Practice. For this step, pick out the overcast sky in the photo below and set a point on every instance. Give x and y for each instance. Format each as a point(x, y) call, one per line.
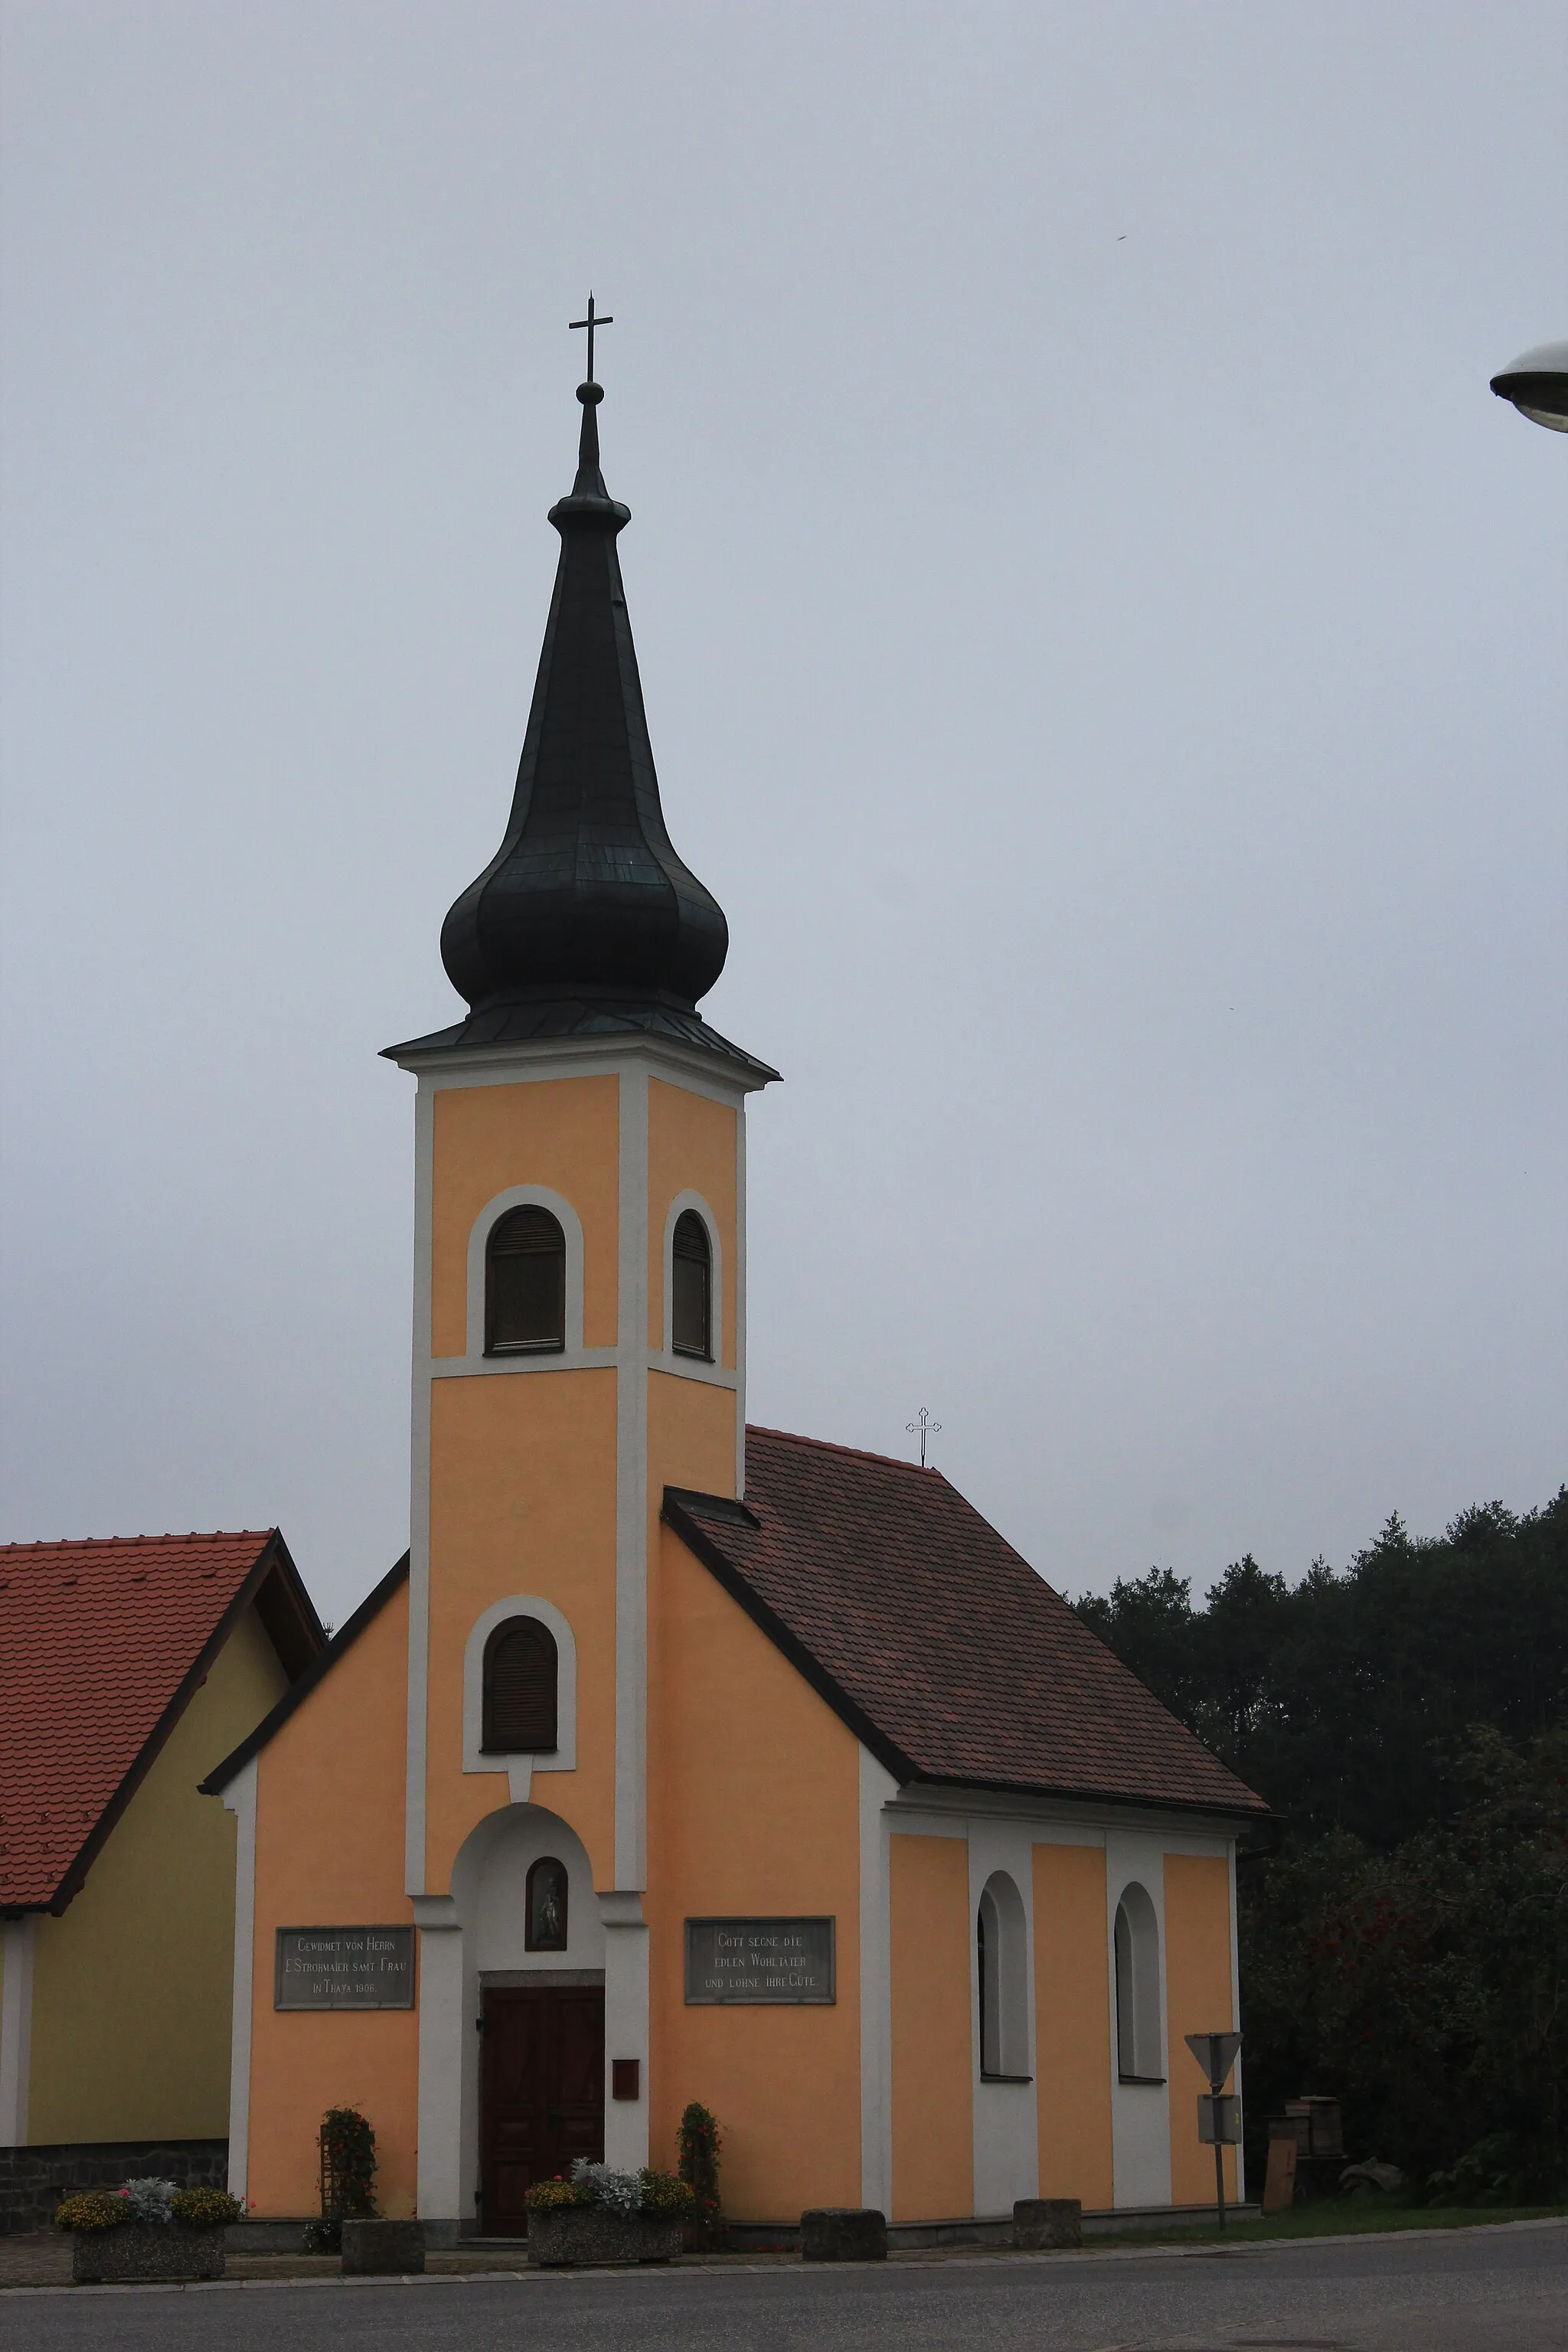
point(1103, 645)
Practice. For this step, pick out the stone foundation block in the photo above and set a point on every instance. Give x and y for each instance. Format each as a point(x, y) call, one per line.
point(1044, 2221)
point(382, 2249)
point(843, 2233)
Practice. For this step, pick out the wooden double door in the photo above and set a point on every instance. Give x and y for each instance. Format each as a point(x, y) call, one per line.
point(541, 2095)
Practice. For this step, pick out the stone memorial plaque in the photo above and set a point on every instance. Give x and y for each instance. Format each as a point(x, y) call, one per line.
point(759, 1960)
point(344, 1967)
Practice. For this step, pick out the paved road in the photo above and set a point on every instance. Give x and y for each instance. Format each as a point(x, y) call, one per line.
point(1497, 2290)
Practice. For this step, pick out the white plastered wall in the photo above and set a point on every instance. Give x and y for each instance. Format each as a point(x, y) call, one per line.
point(1006, 2132)
point(1140, 2112)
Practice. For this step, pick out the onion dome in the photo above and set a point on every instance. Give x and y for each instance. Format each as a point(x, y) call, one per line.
point(585, 903)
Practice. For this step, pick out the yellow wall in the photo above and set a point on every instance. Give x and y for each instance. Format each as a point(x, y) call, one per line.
point(560, 1133)
point(133, 1985)
point(523, 1499)
point(691, 1148)
point(753, 1809)
point(933, 2133)
point(1198, 1994)
point(1072, 2023)
point(328, 1853)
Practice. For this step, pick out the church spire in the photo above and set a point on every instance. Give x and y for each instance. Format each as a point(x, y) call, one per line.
point(584, 916)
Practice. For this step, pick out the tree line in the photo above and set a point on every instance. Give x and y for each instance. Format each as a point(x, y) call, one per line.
point(1405, 1945)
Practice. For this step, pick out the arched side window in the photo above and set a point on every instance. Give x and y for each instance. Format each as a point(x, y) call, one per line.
point(692, 1288)
point(525, 1284)
point(1139, 2055)
point(544, 1900)
point(519, 1688)
point(1002, 1957)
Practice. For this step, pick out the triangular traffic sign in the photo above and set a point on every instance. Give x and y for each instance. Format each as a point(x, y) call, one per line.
point(1215, 2053)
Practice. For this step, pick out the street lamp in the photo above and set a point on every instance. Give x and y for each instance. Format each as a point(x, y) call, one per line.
point(1537, 384)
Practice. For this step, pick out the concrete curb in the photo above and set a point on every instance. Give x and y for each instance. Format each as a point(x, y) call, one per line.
point(890, 2268)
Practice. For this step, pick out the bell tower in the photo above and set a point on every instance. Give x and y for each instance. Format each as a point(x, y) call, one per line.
point(579, 1328)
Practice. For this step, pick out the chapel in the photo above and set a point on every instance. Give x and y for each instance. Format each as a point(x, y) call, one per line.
point(678, 1759)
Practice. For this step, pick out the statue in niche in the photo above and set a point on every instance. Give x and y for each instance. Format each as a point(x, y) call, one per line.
point(545, 1906)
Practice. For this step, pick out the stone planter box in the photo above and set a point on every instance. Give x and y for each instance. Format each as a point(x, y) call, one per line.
point(576, 2236)
point(382, 2249)
point(843, 2233)
point(1043, 2222)
point(145, 2250)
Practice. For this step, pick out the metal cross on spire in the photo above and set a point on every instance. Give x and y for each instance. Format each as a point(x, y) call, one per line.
point(591, 321)
point(924, 1429)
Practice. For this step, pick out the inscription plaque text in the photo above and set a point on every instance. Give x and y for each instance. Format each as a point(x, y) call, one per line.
point(759, 1960)
point(344, 1967)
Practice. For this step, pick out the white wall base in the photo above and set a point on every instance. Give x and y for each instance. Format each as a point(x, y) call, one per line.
point(16, 2028)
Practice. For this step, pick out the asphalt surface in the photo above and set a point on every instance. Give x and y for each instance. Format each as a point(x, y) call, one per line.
point(1478, 2291)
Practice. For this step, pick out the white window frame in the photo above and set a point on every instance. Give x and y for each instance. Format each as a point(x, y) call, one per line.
point(519, 1765)
point(1004, 2008)
point(1137, 1978)
point(525, 1196)
point(714, 1359)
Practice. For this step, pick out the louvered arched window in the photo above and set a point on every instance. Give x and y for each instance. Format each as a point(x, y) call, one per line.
point(521, 1673)
point(525, 1284)
point(691, 1287)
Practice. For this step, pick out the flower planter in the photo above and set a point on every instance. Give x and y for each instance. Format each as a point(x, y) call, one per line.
point(576, 2236)
point(145, 2250)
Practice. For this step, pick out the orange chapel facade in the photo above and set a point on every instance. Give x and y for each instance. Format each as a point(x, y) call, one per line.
point(678, 1759)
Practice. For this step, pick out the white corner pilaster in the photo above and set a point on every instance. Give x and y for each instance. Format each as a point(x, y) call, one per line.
point(876, 1788)
point(444, 2036)
point(741, 1299)
point(625, 2026)
point(19, 1937)
point(631, 1484)
point(1235, 2020)
point(419, 1487)
point(239, 1799)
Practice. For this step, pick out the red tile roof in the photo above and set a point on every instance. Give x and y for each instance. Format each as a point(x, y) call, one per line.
point(96, 1640)
point(937, 1642)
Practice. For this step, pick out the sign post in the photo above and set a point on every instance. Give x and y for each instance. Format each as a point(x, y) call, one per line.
point(1219, 2117)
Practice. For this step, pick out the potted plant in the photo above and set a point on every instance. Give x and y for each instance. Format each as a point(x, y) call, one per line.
point(347, 2160)
point(699, 2143)
point(600, 2215)
point(148, 2230)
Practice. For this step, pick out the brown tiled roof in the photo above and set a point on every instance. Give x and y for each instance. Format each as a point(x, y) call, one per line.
point(939, 1645)
point(102, 1644)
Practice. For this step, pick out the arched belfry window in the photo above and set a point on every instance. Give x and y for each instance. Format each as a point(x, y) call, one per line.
point(521, 1670)
point(1138, 2052)
point(525, 1284)
point(1002, 1960)
point(691, 1287)
point(545, 1917)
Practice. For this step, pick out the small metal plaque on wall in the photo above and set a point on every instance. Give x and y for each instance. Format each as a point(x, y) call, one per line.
point(343, 1968)
point(758, 1961)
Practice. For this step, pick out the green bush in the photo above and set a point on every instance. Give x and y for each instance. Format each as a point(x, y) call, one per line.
point(322, 2237)
point(91, 2208)
point(348, 2165)
point(700, 2142)
point(205, 2209)
point(670, 2199)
